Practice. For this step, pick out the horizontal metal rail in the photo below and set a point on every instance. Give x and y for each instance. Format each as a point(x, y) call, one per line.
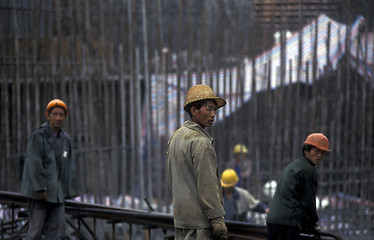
point(150, 220)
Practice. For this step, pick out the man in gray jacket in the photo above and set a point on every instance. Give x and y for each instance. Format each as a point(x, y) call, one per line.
point(49, 175)
point(193, 171)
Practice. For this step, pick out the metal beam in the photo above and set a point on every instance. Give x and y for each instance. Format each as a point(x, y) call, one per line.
point(150, 220)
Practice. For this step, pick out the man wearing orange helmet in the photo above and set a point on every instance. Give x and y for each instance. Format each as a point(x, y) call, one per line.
point(293, 208)
point(193, 171)
point(49, 175)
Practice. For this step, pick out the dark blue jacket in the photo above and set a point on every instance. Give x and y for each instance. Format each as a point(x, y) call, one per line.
point(294, 202)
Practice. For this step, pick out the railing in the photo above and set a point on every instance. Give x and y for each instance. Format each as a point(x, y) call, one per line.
point(114, 215)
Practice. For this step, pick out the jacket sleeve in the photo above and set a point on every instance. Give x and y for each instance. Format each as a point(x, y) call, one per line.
point(308, 201)
point(260, 207)
point(207, 178)
point(251, 201)
point(74, 188)
point(34, 162)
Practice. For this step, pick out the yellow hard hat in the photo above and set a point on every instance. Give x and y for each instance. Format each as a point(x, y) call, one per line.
point(319, 141)
point(202, 92)
point(229, 178)
point(240, 148)
point(56, 103)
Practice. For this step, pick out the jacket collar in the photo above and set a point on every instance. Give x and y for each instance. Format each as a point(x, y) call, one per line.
point(235, 194)
point(46, 129)
point(196, 127)
point(307, 160)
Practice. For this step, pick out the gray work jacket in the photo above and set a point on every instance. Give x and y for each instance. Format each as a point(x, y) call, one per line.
point(44, 171)
point(193, 177)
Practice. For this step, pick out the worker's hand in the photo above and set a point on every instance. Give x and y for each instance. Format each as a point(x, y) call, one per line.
point(313, 229)
point(219, 229)
point(42, 195)
point(317, 230)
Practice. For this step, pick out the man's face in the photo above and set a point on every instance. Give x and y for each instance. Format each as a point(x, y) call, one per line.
point(315, 155)
point(241, 156)
point(228, 190)
point(205, 115)
point(56, 118)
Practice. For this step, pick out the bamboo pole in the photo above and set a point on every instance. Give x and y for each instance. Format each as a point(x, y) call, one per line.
point(101, 93)
point(111, 113)
point(179, 59)
point(78, 96)
point(314, 79)
point(325, 77)
point(138, 126)
point(306, 113)
point(355, 101)
point(269, 122)
point(158, 153)
point(330, 127)
point(147, 111)
point(16, 87)
point(71, 75)
point(190, 47)
point(363, 127)
point(25, 82)
point(4, 110)
point(289, 110)
point(347, 119)
point(131, 98)
point(123, 123)
point(165, 82)
point(298, 106)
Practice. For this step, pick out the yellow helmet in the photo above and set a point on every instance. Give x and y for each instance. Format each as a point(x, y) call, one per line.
point(240, 148)
point(229, 178)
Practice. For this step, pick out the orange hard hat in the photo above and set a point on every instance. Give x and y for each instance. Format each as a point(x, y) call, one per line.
point(319, 141)
point(56, 103)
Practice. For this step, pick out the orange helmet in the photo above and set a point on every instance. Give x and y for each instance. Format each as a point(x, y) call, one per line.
point(56, 103)
point(319, 141)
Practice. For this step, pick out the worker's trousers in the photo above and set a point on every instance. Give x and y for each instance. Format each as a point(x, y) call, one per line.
point(46, 218)
point(193, 234)
point(282, 232)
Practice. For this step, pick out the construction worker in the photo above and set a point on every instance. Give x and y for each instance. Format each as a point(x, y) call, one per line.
point(241, 164)
point(49, 175)
point(293, 209)
point(193, 170)
point(238, 201)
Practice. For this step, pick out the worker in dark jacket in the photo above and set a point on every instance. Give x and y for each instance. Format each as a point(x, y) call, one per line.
point(49, 175)
point(293, 209)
